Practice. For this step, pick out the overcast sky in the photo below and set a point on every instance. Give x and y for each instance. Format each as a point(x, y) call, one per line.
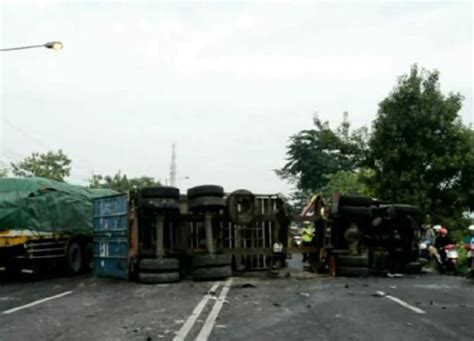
point(228, 82)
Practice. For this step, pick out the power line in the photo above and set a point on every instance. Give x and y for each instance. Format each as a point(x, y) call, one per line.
point(40, 142)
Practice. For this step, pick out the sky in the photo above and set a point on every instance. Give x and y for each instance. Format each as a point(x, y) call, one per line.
point(228, 82)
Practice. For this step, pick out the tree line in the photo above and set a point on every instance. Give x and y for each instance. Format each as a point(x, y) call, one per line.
point(57, 166)
point(418, 151)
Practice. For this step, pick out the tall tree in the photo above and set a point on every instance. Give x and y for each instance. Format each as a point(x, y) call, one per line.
point(314, 155)
point(52, 165)
point(420, 151)
point(120, 182)
point(347, 182)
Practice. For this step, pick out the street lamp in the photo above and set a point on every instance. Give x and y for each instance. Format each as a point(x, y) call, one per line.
point(54, 45)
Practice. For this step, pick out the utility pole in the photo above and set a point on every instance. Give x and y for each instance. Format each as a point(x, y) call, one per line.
point(173, 166)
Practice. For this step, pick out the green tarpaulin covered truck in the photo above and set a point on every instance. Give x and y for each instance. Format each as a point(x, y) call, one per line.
point(45, 222)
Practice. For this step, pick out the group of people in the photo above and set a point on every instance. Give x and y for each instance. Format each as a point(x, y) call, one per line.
point(436, 239)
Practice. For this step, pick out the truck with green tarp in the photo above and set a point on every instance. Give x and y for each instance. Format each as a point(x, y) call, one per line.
point(46, 223)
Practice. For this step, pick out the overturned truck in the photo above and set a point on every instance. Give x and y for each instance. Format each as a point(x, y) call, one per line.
point(158, 235)
point(361, 235)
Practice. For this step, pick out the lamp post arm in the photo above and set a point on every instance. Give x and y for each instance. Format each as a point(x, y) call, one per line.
point(22, 48)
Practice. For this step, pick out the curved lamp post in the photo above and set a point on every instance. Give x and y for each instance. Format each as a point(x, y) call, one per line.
point(54, 45)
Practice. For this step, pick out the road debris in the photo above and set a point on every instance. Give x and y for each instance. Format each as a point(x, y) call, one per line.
point(305, 294)
point(378, 294)
point(248, 285)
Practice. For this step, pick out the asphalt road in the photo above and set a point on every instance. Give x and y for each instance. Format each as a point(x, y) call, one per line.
point(426, 307)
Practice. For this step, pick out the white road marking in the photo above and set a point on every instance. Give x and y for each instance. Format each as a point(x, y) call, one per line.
point(211, 319)
point(402, 303)
point(9, 311)
point(195, 314)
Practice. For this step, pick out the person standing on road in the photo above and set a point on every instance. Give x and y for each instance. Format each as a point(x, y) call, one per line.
point(307, 239)
point(469, 246)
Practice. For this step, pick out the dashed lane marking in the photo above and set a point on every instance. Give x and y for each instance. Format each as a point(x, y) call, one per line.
point(9, 311)
point(402, 303)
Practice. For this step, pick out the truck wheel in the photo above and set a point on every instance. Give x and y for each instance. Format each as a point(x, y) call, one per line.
point(13, 270)
point(158, 278)
point(241, 206)
point(413, 268)
point(204, 274)
point(352, 271)
point(355, 261)
point(355, 211)
point(161, 204)
point(206, 191)
point(74, 258)
point(354, 200)
point(211, 261)
point(160, 192)
point(155, 264)
point(204, 203)
point(88, 262)
point(397, 210)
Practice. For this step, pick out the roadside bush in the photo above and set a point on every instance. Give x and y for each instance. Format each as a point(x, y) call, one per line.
point(463, 266)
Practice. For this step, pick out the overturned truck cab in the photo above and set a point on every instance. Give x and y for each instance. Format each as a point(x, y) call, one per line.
point(361, 235)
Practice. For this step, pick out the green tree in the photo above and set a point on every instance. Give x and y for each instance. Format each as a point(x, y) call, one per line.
point(347, 182)
point(420, 151)
point(52, 165)
point(120, 182)
point(3, 172)
point(314, 155)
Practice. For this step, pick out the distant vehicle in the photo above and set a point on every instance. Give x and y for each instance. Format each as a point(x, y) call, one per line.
point(45, 223)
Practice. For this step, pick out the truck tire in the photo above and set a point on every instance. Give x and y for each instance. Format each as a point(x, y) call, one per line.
point(161, 204)
point(211, 261)
point(204, 274)
point(413, 268)
point(246, 201)
point(204, 203)
point(13, 270)
point(206, 191)
point(157, 265)
point(356, 211)
point(352, 261)
point(395, 211)
point(355, 200)
point(352, 271)
point(158, 278)
point(88, 263)
point(160, 192)
point(74, 258)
